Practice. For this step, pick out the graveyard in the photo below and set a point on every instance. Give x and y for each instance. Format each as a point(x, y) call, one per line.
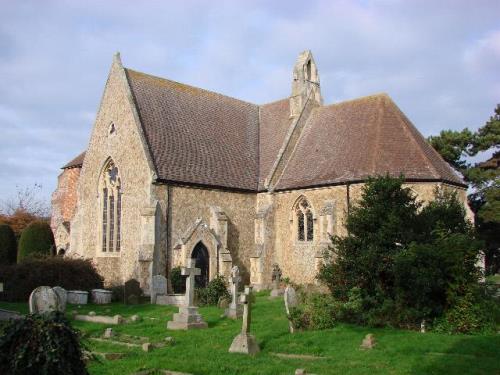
point(205, 351)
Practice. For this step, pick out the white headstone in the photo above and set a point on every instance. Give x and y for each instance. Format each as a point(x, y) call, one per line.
point(63, 297)
point(158, 287)
point(43, 300)
point(290, 297)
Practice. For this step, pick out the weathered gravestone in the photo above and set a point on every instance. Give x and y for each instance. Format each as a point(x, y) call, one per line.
point(132, 291)
point(368, 342)
point(290, 297)
point(245, 342)
point(235, 309)
point(62, 294)
point(276, 279)
point(188, 316)
point(43, 300)
point(158, 287)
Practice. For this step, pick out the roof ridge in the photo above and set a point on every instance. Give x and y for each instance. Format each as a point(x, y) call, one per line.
point(371, 96)
point(274, 101)
point(191, 86)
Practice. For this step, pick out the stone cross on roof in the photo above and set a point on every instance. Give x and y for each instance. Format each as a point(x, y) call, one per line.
point(190, 271)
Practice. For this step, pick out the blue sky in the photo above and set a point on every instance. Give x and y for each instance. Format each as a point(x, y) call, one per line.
point(439, 60)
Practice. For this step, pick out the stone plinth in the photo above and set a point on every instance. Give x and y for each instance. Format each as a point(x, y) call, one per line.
point(187, 318)
point(101, 296)
point(78, 297)
point(244, 343)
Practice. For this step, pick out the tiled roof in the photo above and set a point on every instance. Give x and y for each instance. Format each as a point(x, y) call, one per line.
point(353, 140)
point(200, 137)
point(76, 162)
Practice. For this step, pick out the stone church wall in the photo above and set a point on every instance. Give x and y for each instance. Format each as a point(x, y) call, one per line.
point(189, 203)
point(124, 146)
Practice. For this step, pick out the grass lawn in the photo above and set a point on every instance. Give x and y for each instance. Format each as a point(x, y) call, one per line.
point(206, 351)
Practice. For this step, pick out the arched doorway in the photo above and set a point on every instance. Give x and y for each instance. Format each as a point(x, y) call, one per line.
point(200, 253)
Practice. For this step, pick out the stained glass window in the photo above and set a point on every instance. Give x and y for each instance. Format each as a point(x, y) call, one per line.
point(104, 218)
point(111, 209)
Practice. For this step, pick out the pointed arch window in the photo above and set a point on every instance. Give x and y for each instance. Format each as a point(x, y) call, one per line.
point(304, 220)
point(111, 203)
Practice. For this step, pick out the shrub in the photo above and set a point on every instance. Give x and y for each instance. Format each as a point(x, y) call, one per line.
point(41, 344)
point(20, 279)
point(215, 289)
point(315, 311)
point(36, 239)
point(8, 245)
point(178, 281)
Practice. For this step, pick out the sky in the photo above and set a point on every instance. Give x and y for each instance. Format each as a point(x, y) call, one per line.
point(438, 60)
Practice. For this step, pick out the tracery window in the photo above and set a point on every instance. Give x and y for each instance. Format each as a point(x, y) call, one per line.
point(111, 209)
point(305, 220)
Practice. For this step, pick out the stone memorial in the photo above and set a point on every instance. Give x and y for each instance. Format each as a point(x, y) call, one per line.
point(235, 309)
point(290, 297)
point(276, 278)
point(368, 342)
point(245, 342)
point(132, 291)
point(78, 297)
point(188, 316)
point(43, 300)
point(101, 296)
point(62, 294)
point(158, 287)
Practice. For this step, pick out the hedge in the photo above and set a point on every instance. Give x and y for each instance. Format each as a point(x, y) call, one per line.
point(72, 274)
point(36, 239)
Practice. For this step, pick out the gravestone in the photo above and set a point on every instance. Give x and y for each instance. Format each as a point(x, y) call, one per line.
point(78, 297)
point(188, 316)
point(235, 309)
point(158, 287)
point(43, 300)
point(101, 296)
point(245, 342)
point(368, 342)
point(290, 297)
point(63, 297)
point(276, 279)
point(132, 291)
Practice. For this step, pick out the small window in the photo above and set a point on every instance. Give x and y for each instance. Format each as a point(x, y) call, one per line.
point(112, 128)
point(305, 221)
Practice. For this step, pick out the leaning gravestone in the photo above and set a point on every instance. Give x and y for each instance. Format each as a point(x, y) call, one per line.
point(245, 342)
point(63, 297)
point(43, 300)
point(158, 287)
point(132, 291)
point(290, 297)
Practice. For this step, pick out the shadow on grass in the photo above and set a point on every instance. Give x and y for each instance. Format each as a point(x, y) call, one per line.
point(467, 355)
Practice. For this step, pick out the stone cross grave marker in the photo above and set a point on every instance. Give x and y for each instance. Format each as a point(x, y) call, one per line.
point(158, 287)
point(234, 311)
point(188, 316)
point(43, 300)
point(62, 294)
point(245, 342)
point(276, 278)
point(290, 297)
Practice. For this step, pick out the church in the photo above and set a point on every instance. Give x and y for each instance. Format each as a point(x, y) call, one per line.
point(173, 172)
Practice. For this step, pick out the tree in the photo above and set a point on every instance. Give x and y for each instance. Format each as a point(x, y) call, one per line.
point(8, 245)
point(36, 239)
point(483, 177)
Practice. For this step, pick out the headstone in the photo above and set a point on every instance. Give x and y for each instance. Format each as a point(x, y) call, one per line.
point(78, 297)
point(290, 297)
point(108, 333)
point(276, 279)
point(101, 296)
point(245, 342)
point(188, 316)
point(158, 287)
point(62, 294)
point(43, 300)
point(132, 288)
point(368, 342)
point(235, 309)
point(147, 347)
point(422, 326)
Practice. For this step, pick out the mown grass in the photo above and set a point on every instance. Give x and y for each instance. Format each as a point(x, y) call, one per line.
point(206, 351)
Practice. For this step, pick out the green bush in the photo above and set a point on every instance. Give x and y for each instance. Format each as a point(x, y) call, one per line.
point(8, 245)
point(178, 281)
point(36, 239)
point(20, 279)
point(215, 289)
point(315, 311)
point(41, 344)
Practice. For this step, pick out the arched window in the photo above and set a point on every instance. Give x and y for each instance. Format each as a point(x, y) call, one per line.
point(111, 203)
point(305, 221)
